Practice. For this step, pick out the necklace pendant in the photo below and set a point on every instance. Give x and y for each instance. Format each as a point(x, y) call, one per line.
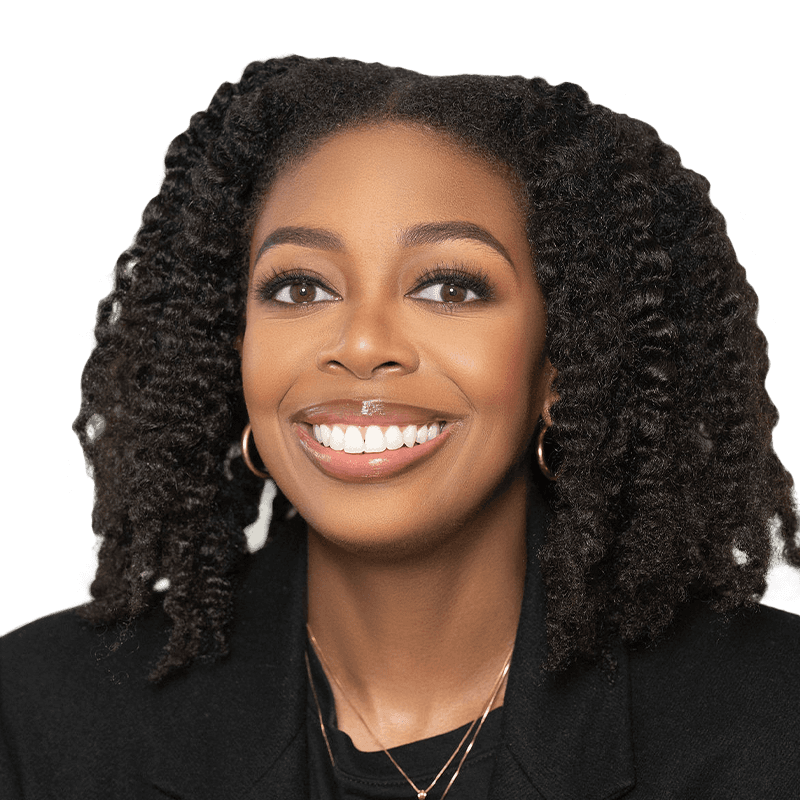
point(421, 795)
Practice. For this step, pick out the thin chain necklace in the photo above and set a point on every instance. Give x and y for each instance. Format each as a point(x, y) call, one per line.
point(476, 725)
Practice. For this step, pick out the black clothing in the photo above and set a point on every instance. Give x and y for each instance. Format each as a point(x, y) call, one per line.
point(711, 711)
point(371, 776)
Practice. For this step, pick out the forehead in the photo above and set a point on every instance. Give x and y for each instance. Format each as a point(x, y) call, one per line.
point(392, 175)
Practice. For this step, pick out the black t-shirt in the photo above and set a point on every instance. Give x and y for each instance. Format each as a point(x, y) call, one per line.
point(372, 776)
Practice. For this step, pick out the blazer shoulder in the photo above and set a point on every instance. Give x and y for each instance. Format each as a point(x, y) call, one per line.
point(720, 696)
point(757, 636)
point(732, 647)
point(45, 645)
point(65, 650)
point(64, 645)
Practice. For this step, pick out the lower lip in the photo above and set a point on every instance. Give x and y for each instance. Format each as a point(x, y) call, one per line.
point(367, 466)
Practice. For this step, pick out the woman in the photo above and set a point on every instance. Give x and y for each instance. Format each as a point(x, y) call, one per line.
point(493, 347)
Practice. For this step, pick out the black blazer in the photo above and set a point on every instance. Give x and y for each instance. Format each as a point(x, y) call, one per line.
point(712, 711)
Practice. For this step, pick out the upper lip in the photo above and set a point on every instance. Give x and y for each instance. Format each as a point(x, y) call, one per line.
point(375, 411)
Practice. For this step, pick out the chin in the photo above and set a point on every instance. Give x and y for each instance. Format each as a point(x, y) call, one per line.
point(376, 537)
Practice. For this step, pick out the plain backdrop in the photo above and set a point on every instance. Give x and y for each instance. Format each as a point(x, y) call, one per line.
point(94, 92)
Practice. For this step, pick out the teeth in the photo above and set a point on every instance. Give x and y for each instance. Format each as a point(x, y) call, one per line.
point(353, 440)
point(374, 440)
point(324, 435)
point(394, 439)
point(337, 438)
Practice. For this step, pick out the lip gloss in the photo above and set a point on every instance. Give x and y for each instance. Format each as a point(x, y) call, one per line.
point(356, 467)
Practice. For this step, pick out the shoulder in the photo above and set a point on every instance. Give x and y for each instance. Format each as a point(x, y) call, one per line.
point(63, 679)
point(71, 694)
point(65, 648)
point(77, 709)
point(721, 696)
point(728, 649)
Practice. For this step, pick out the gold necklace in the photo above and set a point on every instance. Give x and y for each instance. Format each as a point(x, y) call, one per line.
point(476, 725)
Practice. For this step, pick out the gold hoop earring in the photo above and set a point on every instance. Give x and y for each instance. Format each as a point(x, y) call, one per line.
point(543, 466)
point(246, 453)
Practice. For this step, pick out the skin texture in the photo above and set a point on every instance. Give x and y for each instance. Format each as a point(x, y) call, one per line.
point(415, 578)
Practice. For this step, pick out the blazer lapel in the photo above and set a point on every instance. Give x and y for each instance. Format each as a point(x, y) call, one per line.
point(236, 728)
point(566, 736)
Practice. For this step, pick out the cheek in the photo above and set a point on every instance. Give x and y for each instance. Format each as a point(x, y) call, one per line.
point(497, 367)
point(271, 357)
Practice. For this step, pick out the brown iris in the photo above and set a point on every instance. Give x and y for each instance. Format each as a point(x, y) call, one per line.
point(302, 292)
point(451, 293)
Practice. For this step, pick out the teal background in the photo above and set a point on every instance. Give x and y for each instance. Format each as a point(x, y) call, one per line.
point(94, 92)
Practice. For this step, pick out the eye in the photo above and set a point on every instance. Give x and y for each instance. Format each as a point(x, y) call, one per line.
point(452, 286)
point(293, 288)
point(301, 292)
point(445, 293)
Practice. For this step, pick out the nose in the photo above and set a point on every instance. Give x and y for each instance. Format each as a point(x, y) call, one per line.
point(368, 340)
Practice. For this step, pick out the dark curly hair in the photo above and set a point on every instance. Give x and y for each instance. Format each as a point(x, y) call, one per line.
point(668, 486)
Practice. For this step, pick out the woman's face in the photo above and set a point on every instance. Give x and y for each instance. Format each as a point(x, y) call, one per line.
point(392, 295)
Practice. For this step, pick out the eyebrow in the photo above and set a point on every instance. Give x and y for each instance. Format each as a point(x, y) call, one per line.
point(415, 236)
point(435, 232)
point(317, 238)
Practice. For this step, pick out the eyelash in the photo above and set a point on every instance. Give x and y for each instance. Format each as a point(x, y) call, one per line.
point(472, 279)
point(268, 286)
point(467, 278)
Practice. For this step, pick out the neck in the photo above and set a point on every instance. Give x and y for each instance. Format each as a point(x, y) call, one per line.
point(418, 641)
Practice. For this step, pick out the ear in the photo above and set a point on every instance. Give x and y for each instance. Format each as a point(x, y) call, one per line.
point(238, 343)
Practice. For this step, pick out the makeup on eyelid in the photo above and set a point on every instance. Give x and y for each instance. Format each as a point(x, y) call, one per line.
point(452, 277)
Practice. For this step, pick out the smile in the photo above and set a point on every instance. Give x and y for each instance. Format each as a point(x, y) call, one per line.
point(373, 438)
point(336, 440)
